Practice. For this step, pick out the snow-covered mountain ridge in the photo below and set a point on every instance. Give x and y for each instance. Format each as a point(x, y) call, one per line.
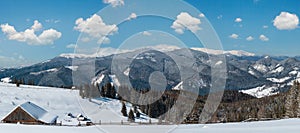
point(258, 76)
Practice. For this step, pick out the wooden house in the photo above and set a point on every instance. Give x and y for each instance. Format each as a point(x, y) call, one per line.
point(30, 113)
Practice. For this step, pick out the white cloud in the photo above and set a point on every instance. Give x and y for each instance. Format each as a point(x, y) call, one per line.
point(286, 21)
point(71, 46)
point(36, 25)
point(234, 36)
point(186, 21)
point(85, 39)
point(52, 21)
point(96, 28)
point(265, 27)
point(263, 38)
point(132, 16)
point(238, 20)
point(103, 40)
point(114, 3)
point(29, 36)
point(201, 15)
point(146, 33)
point(249, 38)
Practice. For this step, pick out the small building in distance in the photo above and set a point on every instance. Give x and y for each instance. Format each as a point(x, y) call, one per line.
point(30, 113)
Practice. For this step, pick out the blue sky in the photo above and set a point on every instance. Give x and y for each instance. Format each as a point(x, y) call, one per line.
point(247, 25)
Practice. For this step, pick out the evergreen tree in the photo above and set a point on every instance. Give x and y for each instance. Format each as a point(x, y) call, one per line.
point(131, 116)
point(124, 109)
point(113, 92)
point(135, 109)
point(108, 88)
point(102, 92)
point(137, 114)
point(291, 102)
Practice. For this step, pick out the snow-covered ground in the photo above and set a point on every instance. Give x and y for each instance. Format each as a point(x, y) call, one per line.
point(278, 126)
point(63, 101)
point(261, 91)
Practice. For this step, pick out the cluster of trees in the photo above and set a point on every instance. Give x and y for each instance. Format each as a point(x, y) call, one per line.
point(293, 101)
point(109, 91)
point(234, 107)
point(18, 82)
point(135, 113)
point(243, 107)
point(94, 91)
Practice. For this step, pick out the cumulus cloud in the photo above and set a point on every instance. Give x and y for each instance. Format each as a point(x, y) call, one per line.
point(114, 3)
point(71, 46)
point(29, 36)
point(263, 38)
point(249, 38)
point(146, 33)
point(201, 15)
point(36, 25)
point(234, 36)
point(286, 21)
point(132, 16)
point(186, 21)
point(238, 20)
point(95, 28)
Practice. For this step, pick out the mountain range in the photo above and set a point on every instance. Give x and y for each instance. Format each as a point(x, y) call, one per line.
point(248, 73)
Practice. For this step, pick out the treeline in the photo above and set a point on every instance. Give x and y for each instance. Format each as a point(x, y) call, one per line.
point(18, 82)
point(234, 107)
point(22, 81)
point(283, 105)
point(95, 91)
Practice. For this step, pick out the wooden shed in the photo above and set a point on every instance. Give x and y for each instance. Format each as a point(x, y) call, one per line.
point(30, 113)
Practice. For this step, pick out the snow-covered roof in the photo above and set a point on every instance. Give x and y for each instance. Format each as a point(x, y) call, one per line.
point(37, 112)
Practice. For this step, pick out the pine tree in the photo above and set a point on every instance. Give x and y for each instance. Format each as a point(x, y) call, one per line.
point(131, 116)
point(298, 100)
point(108, 88)
point(291, 102)
point(113, 92)
point(137, 114)
point(102, 92)
point(124, 110)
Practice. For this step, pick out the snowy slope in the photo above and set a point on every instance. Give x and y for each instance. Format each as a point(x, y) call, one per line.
point(279, 126)
point(61, 102)
point(261, 91)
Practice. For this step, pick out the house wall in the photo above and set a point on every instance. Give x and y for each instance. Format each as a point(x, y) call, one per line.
point(19, 115)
